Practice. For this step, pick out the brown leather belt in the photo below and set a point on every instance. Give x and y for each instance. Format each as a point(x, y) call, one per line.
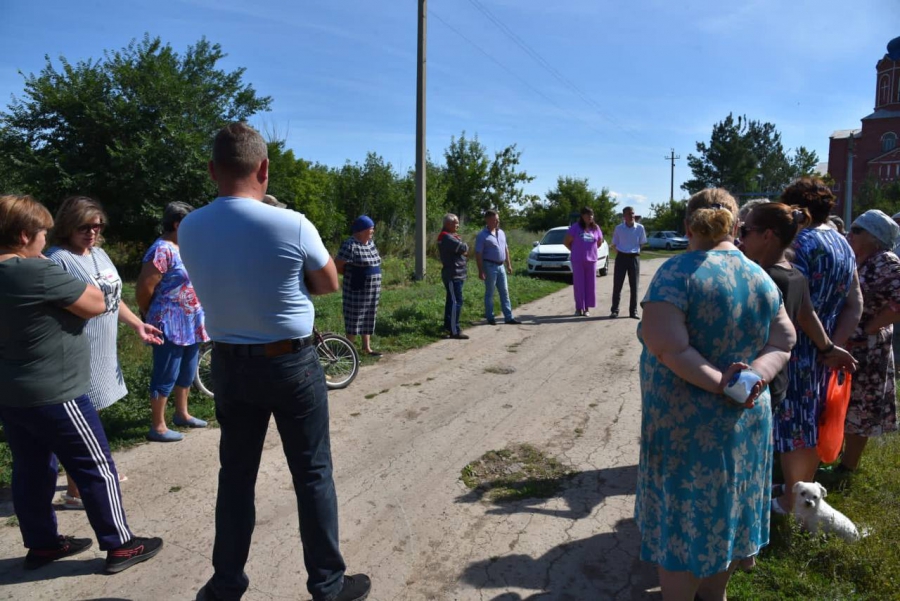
point(269, 349)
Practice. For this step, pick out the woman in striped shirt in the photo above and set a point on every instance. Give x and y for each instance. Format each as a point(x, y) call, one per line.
point(76, 239)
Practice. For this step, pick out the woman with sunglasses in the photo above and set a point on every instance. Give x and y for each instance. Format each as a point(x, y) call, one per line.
point(827, 262)
point(766, 235)
point(76, 238)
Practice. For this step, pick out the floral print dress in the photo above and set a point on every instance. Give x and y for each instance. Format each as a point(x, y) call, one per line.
point(174, 308)
point(873, 397)
point(825, 258)
point(705, 462)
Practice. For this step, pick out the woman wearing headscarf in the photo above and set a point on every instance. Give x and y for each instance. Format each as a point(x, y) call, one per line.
point(873, 398)
point(166, 296)
point(360, 264)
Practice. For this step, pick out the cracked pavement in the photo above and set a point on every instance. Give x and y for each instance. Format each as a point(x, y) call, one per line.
point(406, 518)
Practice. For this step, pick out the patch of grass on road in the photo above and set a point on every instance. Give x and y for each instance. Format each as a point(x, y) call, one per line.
point(516, 472)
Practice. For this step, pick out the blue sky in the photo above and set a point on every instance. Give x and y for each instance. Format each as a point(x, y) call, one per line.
point(592, 89)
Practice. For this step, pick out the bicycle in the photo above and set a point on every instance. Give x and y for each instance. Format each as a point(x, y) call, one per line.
point(337, 356)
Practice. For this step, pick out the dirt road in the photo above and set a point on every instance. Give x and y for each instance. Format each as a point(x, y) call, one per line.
point(406, 518)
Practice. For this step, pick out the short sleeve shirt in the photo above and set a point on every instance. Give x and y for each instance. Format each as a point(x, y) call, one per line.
point(584, 243)
point(44, 358)
point(174, 308)
point(491, 247)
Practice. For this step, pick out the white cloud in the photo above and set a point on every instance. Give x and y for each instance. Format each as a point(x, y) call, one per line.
point(640, 202)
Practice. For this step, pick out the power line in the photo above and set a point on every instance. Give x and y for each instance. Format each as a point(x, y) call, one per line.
point(545, 64)
point(510, 71)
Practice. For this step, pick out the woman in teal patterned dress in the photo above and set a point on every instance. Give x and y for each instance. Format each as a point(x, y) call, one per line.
point(705, 461)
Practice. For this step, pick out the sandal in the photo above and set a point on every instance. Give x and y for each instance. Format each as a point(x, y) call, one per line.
point(70, 502)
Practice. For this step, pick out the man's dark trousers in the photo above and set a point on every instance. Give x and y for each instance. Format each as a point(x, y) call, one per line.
point(249, 390)
point(630, 264)
point(453, 305)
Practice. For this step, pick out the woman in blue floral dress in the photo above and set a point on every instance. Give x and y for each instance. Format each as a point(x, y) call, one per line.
point(825, 259)
point(165, 294)
point(705, 464)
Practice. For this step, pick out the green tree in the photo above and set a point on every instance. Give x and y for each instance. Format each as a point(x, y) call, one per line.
point(874, 194)
point(476, 183)
point(746, 157)
point(667, 215)
point(566, 199)
point(468, 177)
point(133, 129)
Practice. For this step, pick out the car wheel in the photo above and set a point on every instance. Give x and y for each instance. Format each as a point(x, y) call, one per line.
point(605, 269)
point(668, 246)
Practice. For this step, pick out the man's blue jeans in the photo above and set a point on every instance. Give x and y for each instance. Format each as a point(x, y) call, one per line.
point(495, 276)
point(249, 390)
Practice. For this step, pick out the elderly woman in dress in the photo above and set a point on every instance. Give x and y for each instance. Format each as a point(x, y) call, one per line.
point(705, 462)
point(76, 238)
point(166, 296)
point(873, 398)
point(360, 264)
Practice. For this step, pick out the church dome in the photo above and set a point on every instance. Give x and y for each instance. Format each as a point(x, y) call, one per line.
point(893, 49)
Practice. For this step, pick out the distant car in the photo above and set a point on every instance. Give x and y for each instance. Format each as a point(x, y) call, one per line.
point(551, 256)
point(667, 240)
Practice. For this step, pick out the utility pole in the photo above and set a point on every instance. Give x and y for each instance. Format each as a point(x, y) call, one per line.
point(421, 164)
point(848, 193)
point(672, 158)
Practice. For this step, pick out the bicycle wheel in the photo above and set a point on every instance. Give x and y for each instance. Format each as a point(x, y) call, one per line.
point(203, 377)
point(339, 360)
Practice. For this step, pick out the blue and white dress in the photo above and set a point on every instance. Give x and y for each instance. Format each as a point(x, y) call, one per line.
point(705, 463)
point(97, 269)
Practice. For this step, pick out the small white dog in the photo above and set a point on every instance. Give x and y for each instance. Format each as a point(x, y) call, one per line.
point(818, 516)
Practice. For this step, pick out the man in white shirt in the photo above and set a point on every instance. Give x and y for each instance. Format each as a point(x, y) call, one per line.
point(628, 237)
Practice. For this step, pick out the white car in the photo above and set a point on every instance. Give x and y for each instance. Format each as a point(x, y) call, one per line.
point(551, 256)
point(668, 240)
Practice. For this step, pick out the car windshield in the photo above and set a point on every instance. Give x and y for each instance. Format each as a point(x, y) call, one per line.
point(554, 237)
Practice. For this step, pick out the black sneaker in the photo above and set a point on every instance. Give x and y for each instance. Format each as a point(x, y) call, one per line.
point(513, 322)
point(634, 316)
point(492, 322)
point(613, 314)
point(356, 588)
point(134, 551)
point(459, 336)
point(68, 545)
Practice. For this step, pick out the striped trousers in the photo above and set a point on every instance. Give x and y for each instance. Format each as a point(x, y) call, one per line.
point(72, 432)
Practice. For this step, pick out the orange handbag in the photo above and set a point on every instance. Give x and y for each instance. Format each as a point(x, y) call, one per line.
point(831, 422)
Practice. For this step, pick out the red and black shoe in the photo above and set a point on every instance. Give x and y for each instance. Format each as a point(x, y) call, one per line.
point(134, 551)
point(68, 545)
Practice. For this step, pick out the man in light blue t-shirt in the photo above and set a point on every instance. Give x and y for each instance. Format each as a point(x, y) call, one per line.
point(254, 268)
point(492, 256)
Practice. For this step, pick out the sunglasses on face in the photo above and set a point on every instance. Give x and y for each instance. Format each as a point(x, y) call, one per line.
point(746, 229)
point(90, 227)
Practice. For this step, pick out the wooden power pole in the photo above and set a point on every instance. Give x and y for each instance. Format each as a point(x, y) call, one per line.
point(672, 158)
point(421, 163)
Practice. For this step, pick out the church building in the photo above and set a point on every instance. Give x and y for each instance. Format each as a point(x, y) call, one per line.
point(875, 148)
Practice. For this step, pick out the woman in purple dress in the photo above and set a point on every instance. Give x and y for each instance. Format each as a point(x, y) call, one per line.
point(582, 240)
